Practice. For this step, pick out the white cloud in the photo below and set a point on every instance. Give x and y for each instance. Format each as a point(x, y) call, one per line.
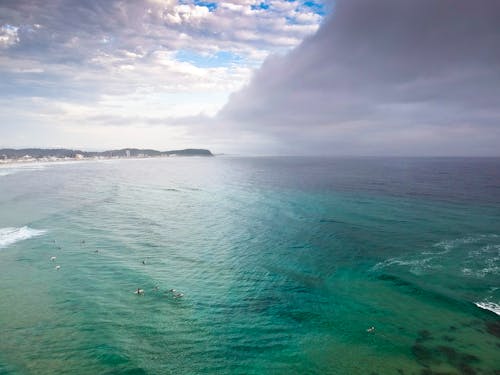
point(308, 18)
point(8, 35)
point(117, 63)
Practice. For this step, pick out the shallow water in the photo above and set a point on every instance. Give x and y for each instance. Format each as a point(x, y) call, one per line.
point(284, 264)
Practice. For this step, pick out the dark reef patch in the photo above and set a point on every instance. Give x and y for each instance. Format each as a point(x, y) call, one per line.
point(456, 358)
point(394, 279)
point(448, 338)
point(428, 371)
point(429, 356)
point(493, 328)
point(423, 354)
point(423, 335)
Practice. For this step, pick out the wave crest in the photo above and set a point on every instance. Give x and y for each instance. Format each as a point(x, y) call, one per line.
point(491, 306)
point(6, 170)
point(8, 236)
point(473, 256)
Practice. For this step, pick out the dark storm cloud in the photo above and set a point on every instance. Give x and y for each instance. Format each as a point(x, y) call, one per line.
point(383, 77)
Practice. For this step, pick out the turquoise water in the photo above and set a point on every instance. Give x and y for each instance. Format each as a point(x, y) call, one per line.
point(284, 265)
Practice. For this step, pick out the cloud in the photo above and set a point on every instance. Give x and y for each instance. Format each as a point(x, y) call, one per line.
point(382, 77)
point(80, 44)
point(72, 31)
point(8, 35)
point(133, 64)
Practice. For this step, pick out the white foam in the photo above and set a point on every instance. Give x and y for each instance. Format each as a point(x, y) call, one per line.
point(8, 236)
point(489, 306)
point(483, 261)
point(5, 173)
point(6, 170)
point(448, 245)
point(416, 266)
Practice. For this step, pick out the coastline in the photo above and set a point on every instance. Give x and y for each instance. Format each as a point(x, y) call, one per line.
point(41, 155)
point(12, 162)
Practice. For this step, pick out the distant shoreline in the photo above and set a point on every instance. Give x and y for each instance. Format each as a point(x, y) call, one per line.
point(33, 155)
point(9, 162)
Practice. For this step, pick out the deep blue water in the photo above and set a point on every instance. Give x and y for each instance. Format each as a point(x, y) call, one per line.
point(284, 264)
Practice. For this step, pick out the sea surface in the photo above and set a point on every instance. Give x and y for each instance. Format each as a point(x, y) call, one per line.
point(284, 265)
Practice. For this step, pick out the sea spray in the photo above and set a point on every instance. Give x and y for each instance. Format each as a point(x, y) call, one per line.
point(9, 236)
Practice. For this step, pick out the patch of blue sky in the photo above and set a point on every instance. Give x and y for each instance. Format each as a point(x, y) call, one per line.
point(316, 6)
point(262, 5)
point(8, 27)
point(219, 59)
point(208, 4)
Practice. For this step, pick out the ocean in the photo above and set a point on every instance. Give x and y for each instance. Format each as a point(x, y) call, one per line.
point(251, 265)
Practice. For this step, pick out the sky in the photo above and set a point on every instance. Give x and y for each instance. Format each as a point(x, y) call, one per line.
point(344, 77)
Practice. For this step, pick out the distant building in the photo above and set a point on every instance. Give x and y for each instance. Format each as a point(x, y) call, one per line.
point(127, 152)
point(78, 156)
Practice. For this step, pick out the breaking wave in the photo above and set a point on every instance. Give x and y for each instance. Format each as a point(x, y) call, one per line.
point(473, 256)
point(16, 168)
point(9, 236)
point(491, 306)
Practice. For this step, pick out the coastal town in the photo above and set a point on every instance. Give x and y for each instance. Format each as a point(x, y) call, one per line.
point(8, 156)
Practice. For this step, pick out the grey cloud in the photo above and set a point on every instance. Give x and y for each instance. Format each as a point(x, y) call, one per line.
point(383, 77)
point(117, 120)
point(80, 44)
point(70, 29)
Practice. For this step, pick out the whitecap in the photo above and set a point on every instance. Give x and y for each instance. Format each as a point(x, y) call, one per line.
point(467, 271)
point(416, 266)
point(491, 306)
point(448, 245)
point(8, 236)
point(6, 170)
